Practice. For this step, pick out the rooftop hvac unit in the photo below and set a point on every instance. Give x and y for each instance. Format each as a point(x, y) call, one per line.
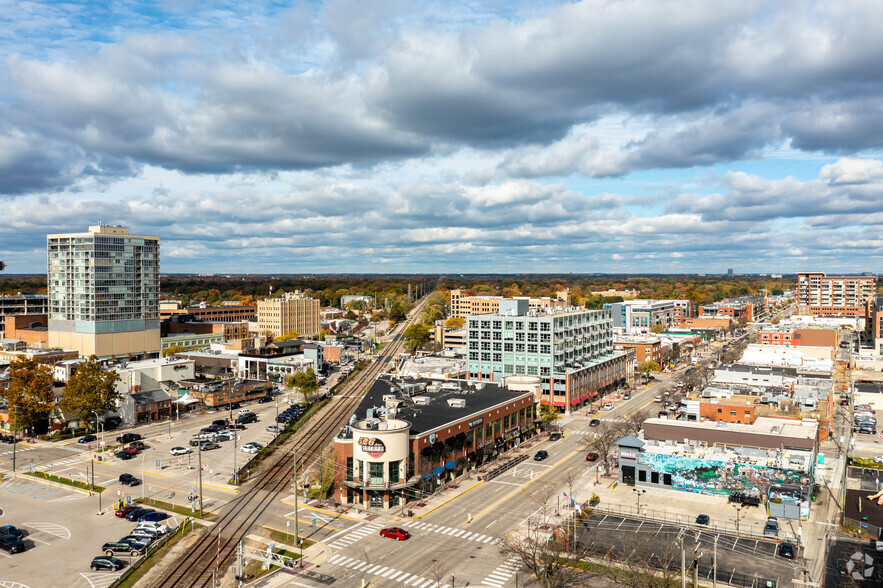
point(457, 402)
point(421, 400)
point(388, 397)
point(479, 385)
point(372, 424)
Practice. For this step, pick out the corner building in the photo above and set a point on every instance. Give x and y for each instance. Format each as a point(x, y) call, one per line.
point(104, 293)
point(570, 350)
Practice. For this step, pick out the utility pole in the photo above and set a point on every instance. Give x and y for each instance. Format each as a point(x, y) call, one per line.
point(14, 440)
point(714, 563)
point(296, 513)
point(199, 449)
point(235, 469)
point(696, 561)
point(683, 563)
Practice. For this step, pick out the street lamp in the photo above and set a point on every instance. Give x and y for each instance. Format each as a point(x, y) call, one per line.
point(638, 493)
point(738, 510)
point(96, 427)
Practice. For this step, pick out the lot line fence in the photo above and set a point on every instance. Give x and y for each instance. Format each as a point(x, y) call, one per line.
point(156, 545)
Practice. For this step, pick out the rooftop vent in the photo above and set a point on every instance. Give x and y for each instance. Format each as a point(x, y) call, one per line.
point(421, 400)
point(372, 424)
point(457, 402)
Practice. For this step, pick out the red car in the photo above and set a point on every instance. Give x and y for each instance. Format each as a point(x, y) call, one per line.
point(131, 450)
point(395, 533)
point(126, 510)
point(591, 456)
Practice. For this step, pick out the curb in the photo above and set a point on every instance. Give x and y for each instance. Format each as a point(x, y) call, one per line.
point(447, 501)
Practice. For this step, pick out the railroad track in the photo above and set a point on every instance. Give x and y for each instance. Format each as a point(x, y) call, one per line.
point(213, 553)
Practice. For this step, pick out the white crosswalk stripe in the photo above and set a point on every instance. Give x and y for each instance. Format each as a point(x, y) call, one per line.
point(355, 535)
point(454, 532)
point(403, 578)
point(500, 576)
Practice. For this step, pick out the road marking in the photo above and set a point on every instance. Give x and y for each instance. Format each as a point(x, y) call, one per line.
point(51, 528)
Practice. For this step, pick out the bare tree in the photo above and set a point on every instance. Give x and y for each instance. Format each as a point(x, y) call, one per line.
point(438, 571)
point(639, 560)
point(604, 440)
point(546, 555)
point(633, 423)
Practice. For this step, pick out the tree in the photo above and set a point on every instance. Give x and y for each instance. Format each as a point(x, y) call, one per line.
point(416, 336)
point(89, 389)
point(290, 335)
point(171, 350)
point(549, 413)
point(455, 322)
point(633, 423)
point(640, 560)
point(658, 328)
point(29, 394)
point(649, 366)
point(306, 382)
point(605, 437)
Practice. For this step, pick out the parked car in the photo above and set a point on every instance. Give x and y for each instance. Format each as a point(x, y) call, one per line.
point(144, 532)
point(626, 396)
point(264, 399)
point(245, 411)
point(129, 480)
point(554, 436)
point(107, 562)
point(112, 547)
point(608, 406)
point(179, 451)
point(153, 517)
point(206, 434)
point(224, 436)
point(395, 533)
point(208, 445)
point(214, 427)
point(234, 405)
point(594, 422)
point(771, 529)
point(273, 429)
point(9, 439)
point(786, 549)
point(158, 527)
point(134, 515)
point(540, 455)
point(11, 530)
point(126, 510)
point(137, 445)
point(140, 543)
point(220, 423)
point(128, 438)
point(702, 519)
point(87, 439)
point(245, 419)
point(592, 456)
point(12, 544)
point(657, 398)
point(250, 448)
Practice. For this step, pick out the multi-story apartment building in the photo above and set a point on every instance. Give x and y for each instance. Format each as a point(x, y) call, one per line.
point(569, 351)
point(291, 312)
point(230, 314)
point(463, 306)
point(631, 317)
point(798, 337)
point(821, 295)
point(104, 293)
point(731, 310)
point(21, 304)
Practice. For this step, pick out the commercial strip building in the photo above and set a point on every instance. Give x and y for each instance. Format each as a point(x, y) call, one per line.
point(104, 293)
point(464, 306)
point(433, 367)
point(33, 329)
point(569, 351)
point(409, 436)
point(276, 360)
point(821, 295)
point(731, 310)
point(646, 348)
point(291, 312)
point(223, 393)
point(771, 459)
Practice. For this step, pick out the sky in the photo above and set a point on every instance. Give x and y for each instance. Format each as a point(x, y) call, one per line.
point(498, 136)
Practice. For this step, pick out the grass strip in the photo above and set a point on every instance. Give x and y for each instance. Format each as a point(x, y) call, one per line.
point(155, 557)
point(66, 481)
point(178, 509)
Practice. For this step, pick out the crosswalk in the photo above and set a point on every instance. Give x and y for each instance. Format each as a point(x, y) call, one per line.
point(400, 577)
point(455, 532)
point(355, 535)
point(500, 576)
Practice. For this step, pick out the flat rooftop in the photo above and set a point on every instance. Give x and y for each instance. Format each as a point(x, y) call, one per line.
point(478, 397)
point(765, 426)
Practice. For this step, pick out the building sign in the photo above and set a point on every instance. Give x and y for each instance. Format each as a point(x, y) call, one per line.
point(431, 438)
point(180, 367)
point(627, 454)
point(372, 446)
point(475, 422)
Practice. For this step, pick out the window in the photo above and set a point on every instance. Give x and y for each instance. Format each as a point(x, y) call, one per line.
point(642, 475)
point(720, 410)
point(506, 423)
point(747, 413)
point(394, 472)
point(732, 413)
point(375, 473)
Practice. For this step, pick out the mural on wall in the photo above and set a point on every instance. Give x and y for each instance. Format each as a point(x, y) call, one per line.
point(706, 476)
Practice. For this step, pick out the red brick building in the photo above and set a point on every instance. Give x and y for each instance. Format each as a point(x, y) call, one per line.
point(799, 337)
point(821, 295)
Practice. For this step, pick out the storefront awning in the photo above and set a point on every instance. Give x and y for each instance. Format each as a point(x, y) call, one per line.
point(584, 397)
point(427, 475)
point(438, 446)
point(574, 402)
point(426, 451)
point(450, 441)
point(559, 403)
point(186, 400)
point(461, 437)
point(438, 471)
point(450, 465)
point(470, 455)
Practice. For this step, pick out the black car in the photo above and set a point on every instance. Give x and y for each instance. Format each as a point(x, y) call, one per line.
point(107, 562)
point(247, 418)
point(129, 480)
point(554, 436)
point(128, 438)
point(786, 549)
point(594, 423)
point(702, 519)
point(234, 427)
point(112, 547)
point(541, 455)
point(12, 544)
point(124, 455)
point(235, 406)
point(138, 513)
point(10, 530)
point(220, 423)
point(7, 439)
point(264, 400)
point(214, 427)
point(194, 442)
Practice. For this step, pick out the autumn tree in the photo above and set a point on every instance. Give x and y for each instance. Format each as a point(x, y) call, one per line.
point(647, 367)
point(455, 322)
point(306, 382)
point(90, 389)
point(29, 393)
point(549, 413)
point(295, 334)
point(416, 336)
point(171, 350)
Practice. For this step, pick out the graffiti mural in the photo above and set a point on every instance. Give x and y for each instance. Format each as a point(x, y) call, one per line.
point(706, 476)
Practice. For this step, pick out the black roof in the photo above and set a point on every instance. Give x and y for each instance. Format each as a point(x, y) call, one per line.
point(426, 417)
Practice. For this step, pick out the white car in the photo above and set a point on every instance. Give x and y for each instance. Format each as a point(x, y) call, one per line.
point(224, 436)
point(251, 448)
point(657, 399)
point(179, 451)
point(608, 406)
point(144, 532)
point(244, 410)
point(158, 527)
point(273, 429)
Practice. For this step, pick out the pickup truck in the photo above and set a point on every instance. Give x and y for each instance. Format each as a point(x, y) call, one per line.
point(112, 547)
point(128, 438)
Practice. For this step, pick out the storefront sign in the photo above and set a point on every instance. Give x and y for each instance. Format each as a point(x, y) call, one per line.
point(475, 422)
point(627, 454)
point(431, 438)
point(180, 367)
point(372, 446)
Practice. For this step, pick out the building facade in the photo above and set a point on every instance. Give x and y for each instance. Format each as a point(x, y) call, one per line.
point(104, 293)
point(233, 314)
point(632, 317)
point(799, 337)
point(571, 351)
point(291, 312)
point(821, 295)
point(463, 306)
point(21, 304)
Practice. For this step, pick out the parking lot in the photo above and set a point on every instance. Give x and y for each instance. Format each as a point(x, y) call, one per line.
point(63, 532)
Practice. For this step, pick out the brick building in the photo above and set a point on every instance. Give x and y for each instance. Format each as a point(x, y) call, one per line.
point(821, 295)
point(799, 337)
point(30, 328)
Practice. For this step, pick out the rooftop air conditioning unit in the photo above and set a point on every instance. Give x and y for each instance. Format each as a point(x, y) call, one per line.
point(457, 402)
point(421, 400)
point(372, 424)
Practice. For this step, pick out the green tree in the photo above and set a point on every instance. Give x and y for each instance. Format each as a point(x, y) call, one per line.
point(657, 328)
point(90, 389)
point(649, 366)
point(549, 413)
point(306, 382)
point(171, 350)
point(29, 394)
point(416, 336)
point(295, 334)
